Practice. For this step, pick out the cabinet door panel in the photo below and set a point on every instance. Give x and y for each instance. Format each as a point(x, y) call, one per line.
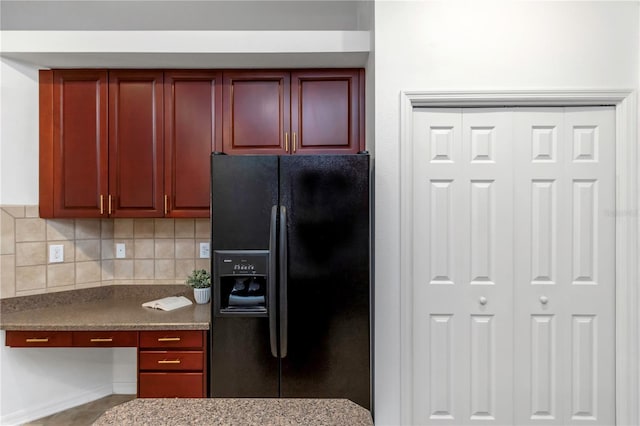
point(171, 360)
point(256, 108)
point(171, 385)
point(135, 143)
point(325, 108)
point(47, 339)
point(193, 118)
point(79, 142)
point(171, 339)
point(107, 339)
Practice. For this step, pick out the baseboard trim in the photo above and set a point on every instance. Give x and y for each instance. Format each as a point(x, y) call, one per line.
point(49, 408)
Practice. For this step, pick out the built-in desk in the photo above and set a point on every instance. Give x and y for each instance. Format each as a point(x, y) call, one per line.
point(172, 347)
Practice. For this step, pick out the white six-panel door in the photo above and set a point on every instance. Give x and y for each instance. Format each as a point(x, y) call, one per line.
point(513, 291)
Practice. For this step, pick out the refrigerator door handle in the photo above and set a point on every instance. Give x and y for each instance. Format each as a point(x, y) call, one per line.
point(283, 281)
point(273, 336)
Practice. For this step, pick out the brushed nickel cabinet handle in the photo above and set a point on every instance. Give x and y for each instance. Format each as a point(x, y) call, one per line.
point(109, 203)
point(166, 203)
point(101, 204)
point(286, 141)
point(294, 143)
point(102, 339)
point(169, 361)
point(168, 339)
point(38, 340)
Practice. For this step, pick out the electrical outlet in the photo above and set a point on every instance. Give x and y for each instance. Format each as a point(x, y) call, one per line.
point(120, 251)
point(204, 250)
point(56, 253)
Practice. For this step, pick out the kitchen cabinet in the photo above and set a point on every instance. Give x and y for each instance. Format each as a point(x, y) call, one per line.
point(192, 119)
point(301, 112)
point(172, 364)
point(135, 144)
point(73, 143)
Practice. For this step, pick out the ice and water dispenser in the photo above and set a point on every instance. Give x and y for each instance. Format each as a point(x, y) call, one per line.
point(240, 282)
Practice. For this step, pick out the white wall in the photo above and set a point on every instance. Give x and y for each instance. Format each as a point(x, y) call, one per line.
point(18, 133)
point(475, 46)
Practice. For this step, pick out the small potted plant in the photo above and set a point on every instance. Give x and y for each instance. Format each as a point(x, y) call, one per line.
point(200, 281)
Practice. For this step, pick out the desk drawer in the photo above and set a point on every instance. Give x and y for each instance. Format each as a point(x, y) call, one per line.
point(171, 385)
point(107, 339)
point(171, 339)
point(38, 339)
point(171, 360)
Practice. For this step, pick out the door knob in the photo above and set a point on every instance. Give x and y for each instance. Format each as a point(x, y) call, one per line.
point(544, 300)
point(482, 300)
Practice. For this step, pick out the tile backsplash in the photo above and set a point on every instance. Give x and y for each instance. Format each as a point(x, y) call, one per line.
point(157, 251)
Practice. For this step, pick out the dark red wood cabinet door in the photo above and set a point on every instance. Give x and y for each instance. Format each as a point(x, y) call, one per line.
point(135, 143)
point(325, 112)
point(193, 127)
point(256, 112)
point(80, 143)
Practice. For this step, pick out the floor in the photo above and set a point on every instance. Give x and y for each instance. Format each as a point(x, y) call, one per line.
point(82, 415)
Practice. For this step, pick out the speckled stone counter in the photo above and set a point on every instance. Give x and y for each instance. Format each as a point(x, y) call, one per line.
point(236, 412)
point(103, 308)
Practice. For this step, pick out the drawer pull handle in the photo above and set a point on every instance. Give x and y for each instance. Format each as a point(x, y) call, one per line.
point(169, 361)
point(100, 339)
point(38, 340)
point(168, 339)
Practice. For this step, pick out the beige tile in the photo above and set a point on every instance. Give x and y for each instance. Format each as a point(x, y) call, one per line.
point(184, 267)
point(59, 274)
point(61, 288)
point(107, 270)
point(143, 228)
point(165, 248)
point(185, 228)
point(185, 248)
point(143, 269)
point(31, 254)
point(143, 248)
point(14, 211)
point(87, 229)
point(30, 278)
point(7, 275)
point(108, 249)
point(123, 228)
point(106, 228)
point(7, 233)
point(164, 228)
point(69, 250)
point(92, 284)
point(165, 269)
point(87, 250)
point(123, 269)
point(203, 228)
point(31, 211)
point(203, 264)
point(169, 281)
point(60, 229)
point(87, 272)
point(30, 229)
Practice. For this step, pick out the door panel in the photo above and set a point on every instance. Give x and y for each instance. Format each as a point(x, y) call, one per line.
point(80, 142)
point(565, 244)
point(463, 288)
point(327, 202)
point(514, 266)
point(257, 111)
point(135, 143)
point(193, 126)
point(325, 111)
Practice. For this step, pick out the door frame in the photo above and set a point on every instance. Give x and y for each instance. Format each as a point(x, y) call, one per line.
point(627, 218)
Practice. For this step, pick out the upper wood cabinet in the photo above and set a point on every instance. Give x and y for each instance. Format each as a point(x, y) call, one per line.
point(136, 144)
point(73, 143)
point(192, 117)
point(302, 112)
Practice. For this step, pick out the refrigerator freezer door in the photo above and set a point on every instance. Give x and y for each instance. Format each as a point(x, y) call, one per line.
point(328, 234)
point(244, 190)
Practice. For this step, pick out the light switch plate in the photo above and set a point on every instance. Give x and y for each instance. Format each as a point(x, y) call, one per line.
point(56, 253)
point(204, 250)
point(120, 251)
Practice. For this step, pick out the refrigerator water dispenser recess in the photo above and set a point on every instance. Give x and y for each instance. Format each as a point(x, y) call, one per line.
point(241, 282)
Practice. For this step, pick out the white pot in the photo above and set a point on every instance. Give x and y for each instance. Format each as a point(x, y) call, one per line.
point(202, 295)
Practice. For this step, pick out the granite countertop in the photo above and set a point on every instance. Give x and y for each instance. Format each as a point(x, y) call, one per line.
point(231, 411)
point(103, 308)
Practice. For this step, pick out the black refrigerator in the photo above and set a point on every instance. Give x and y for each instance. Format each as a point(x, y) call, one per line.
point(291, 277)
